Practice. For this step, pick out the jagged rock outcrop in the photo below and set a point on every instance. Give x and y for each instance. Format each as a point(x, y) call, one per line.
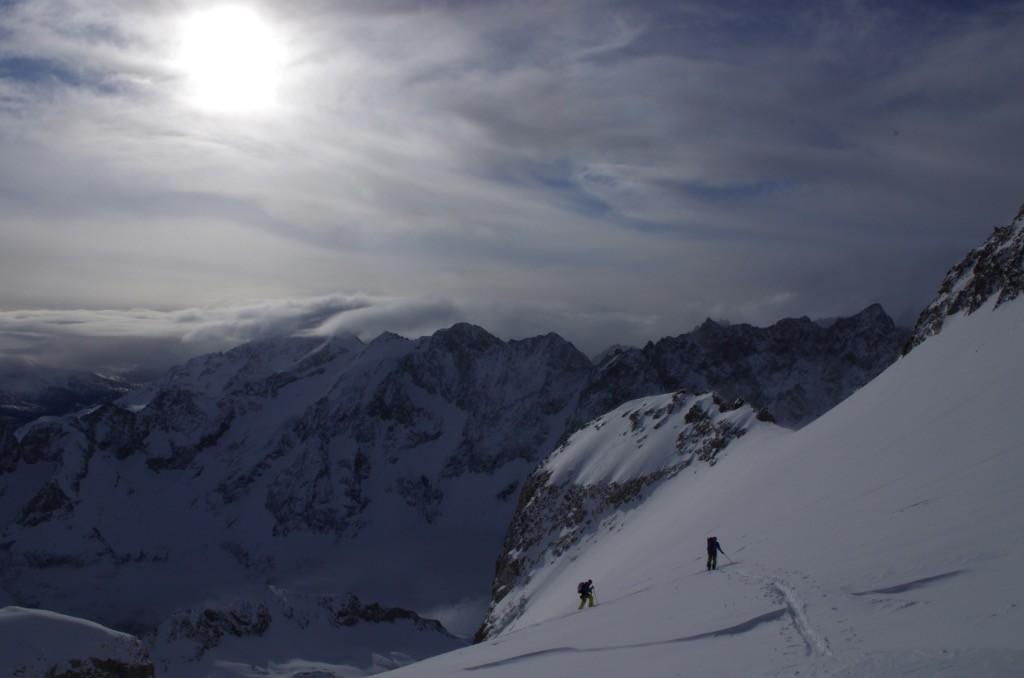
point(993, 271)
point(276, 623)
point(607, 466)
point(10, 451)
point(797, 369)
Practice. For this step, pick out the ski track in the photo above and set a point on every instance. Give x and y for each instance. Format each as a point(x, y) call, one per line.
point(786, 593)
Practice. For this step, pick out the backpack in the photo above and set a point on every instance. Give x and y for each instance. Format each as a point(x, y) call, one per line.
point(582, 588)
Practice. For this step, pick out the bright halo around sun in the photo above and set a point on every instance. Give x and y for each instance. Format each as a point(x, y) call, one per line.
point(232, 59)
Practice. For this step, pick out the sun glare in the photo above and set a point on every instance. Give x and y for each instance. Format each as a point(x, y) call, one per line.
point(232, 58)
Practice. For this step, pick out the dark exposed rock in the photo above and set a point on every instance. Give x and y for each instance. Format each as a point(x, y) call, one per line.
point(196, 633)
point(420, 494)
point(50, 501)
point(349, 611)
point(113, 430)
point(206, 628)
point(10, 451)
point(996, 269)
point(94, 667)
point(797, 369)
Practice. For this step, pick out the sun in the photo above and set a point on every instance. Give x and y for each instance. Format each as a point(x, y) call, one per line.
point(232, 59)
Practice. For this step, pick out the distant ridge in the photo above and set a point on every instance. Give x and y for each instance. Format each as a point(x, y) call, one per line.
point(797, 368)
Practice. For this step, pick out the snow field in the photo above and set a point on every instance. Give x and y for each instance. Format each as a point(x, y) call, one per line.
point(884, 539)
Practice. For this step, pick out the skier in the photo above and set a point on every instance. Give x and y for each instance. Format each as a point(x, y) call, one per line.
point(586, 591)
point(713, 550)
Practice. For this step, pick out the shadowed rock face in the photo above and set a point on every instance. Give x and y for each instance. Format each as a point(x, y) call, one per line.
point(287, 459)
point(996, 269)
point(105, 668)
point(797, 369)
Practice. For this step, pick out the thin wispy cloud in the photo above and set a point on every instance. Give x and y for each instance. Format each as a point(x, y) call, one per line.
point(614, 171)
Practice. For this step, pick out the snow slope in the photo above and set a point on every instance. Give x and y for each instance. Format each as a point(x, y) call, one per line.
point(40, 643)
point(884, 539)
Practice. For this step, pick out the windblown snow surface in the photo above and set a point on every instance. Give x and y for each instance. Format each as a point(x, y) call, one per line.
point(885, 539)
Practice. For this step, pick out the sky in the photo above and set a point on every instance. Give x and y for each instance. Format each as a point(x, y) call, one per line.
point(178, 177)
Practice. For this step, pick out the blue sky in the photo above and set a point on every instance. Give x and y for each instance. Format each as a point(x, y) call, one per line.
point(611, 171)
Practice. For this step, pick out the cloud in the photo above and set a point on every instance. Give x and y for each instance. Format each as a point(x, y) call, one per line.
point(142, 343)
point(619, 170)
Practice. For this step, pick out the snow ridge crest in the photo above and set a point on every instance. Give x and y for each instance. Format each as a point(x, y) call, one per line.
point(993, 270)
point(611, 464)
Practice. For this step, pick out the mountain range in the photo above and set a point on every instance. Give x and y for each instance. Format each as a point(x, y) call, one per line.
point(882, 540)
point(29, 391)
point(265, 487)
point(389, 470)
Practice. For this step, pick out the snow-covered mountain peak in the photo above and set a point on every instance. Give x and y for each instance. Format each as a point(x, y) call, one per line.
point(993, 270)
point(649, 436)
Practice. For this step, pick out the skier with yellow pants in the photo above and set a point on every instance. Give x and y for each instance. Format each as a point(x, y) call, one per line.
point(586, 591)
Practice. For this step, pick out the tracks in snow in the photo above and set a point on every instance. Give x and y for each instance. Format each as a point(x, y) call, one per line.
point(817, 644)
point(787, 594)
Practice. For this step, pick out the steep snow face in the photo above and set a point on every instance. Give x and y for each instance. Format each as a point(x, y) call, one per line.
point(389, 470)
point(994, 270)
point(39, 643)
point(606, 469)
point(884, 539)
point(797, 369)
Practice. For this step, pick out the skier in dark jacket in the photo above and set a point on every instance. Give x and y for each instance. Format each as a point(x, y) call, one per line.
point(714, 548)
point(586, 591)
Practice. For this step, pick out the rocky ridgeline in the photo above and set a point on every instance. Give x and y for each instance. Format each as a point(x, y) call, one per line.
point(193, 640)
point(564, 501)
point(283, 458)
point(611, 464)
point(994, 270)
point(797, 368)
